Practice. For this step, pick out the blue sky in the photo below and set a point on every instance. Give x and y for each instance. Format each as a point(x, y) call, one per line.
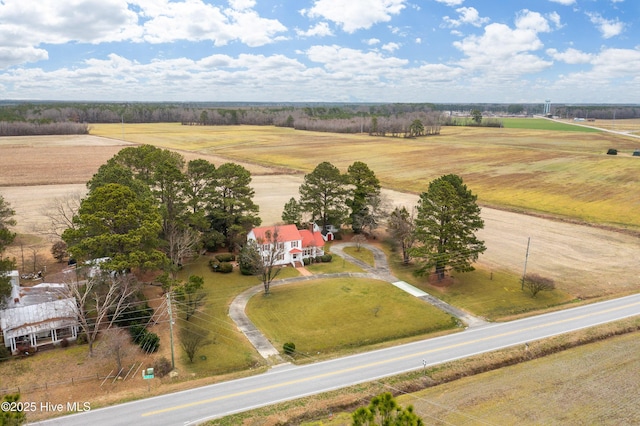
point(511, 51)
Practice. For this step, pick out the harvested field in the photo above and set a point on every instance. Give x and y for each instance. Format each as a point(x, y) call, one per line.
point(586, 261)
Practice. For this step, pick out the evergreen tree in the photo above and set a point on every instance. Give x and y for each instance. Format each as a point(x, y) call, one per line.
point(448, 217)
point(323, 194)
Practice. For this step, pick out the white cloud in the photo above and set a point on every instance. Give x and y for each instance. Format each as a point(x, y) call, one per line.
point(194, 20)
point(372, 41)
point(26, 27)
point(564, 2)
point(607, 27)
point(321, 29)
point(467, 15)
point(391, 47)
point(10, 56)
point(502, 51)
point(86, 21)
point(451, 2)
point(555, 19)
point(342, 59)
point(355, 14)
point(570, 56)
point(241, 4)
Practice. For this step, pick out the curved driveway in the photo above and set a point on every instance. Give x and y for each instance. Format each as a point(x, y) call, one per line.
point(379, 271)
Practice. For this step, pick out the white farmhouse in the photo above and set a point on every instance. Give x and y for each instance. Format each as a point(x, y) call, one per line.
point(37, 316)
point(294, 244)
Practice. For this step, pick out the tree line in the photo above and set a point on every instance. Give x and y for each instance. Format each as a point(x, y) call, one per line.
point(382, 120)
point(439, 233)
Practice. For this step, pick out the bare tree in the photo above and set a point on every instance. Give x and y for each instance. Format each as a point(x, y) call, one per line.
point(116, 346)
point(192, 340)
point(536, 283)
point(183, 242)
point(261, 257)
point(100, 300)
point(359, 239)
point(401, 225)
point(60, 212)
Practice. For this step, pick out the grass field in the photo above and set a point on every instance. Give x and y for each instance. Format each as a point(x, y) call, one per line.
point(330, 315)
point(546, 171)
point(571, 387)
point(543, 124)
point(495, 295)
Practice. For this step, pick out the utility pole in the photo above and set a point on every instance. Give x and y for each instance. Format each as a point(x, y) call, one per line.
point(173, 361)
point(526, 258)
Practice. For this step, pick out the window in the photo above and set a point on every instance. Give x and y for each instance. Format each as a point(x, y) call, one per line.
point(294, 243)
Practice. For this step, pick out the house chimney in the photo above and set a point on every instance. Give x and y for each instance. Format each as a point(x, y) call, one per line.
point(14, 276)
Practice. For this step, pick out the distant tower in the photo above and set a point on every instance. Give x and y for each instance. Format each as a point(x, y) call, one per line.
point(547, 107)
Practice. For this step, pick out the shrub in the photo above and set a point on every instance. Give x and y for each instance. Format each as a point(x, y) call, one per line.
point(289, 348)
point(150, 342)
point(326, 258)
point(64, 343)
point(318, 259)
point(306, 261)
point(225, 267)
point(225, 257)
point(132, 315)
point(162, 367)
point(612, 151)
point(214, 265)
point(5, 354)
point(82, 338)
point(137, 333)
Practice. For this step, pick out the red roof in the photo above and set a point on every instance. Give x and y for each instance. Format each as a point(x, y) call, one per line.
point(285, 233)
point(311, 238)
point(295, 250)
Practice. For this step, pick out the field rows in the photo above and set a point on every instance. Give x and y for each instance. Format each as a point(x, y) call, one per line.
point(554, 172)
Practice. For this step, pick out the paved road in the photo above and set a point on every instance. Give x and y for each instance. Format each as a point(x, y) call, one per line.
point(289, 382)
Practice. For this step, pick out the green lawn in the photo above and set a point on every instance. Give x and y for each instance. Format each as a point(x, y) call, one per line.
point(329, 315)
point(494, 295)
point(362, 254)
point(337, 265)
point(231, 350)
point(543, 124)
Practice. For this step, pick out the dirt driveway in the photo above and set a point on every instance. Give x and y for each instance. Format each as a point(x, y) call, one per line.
point(586, 260)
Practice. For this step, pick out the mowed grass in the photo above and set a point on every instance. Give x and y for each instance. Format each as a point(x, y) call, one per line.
point(229, 350)
point(330, 315)
point(361, 253)
point(591, 384)
point(544, 124)
point(547, 171)
point(494, 295)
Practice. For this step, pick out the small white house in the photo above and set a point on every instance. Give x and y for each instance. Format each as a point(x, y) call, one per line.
point(37, 316)
point(294, 244)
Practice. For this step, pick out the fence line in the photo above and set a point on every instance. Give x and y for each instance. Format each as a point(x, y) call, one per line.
point(72, 381)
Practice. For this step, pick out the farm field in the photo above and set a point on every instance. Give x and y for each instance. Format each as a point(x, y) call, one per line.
point(566, 174)
point(573, 255)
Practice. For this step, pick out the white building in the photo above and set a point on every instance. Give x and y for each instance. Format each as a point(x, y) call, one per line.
point(37, 316)
point(294, 244)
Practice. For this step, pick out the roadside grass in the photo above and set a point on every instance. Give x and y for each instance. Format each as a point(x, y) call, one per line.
point(362, 254)
point(569, 370)
point(544, 124)
point(492, 294)
point(229, 350)
point(590, 384)
point(331, 315)
point(563, 173)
